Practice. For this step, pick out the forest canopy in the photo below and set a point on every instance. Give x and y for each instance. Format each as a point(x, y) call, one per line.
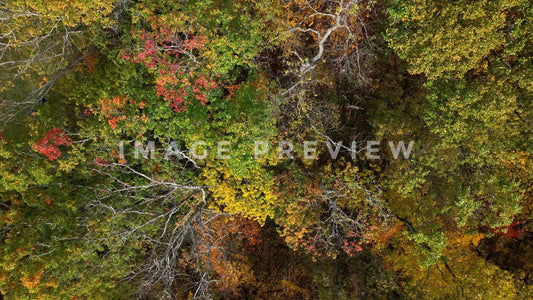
point(265, 149)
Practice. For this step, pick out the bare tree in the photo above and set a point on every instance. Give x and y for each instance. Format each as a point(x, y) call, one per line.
point(32, 48)
point(341, 38)
point(331, 43)
point(172, 220)
point(339, 222)
point(36, 50)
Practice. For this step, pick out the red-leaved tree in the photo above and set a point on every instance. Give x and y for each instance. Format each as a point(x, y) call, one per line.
point(48, 145)
point(173, 58)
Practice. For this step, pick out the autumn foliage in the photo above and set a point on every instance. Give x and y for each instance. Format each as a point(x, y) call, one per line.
point(174, 60)
point(106, 108)
point(49, 145)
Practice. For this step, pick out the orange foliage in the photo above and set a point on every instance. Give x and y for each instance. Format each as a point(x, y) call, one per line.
point(30, 281)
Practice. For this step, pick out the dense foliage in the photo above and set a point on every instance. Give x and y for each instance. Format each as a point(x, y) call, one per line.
point(220, 149)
